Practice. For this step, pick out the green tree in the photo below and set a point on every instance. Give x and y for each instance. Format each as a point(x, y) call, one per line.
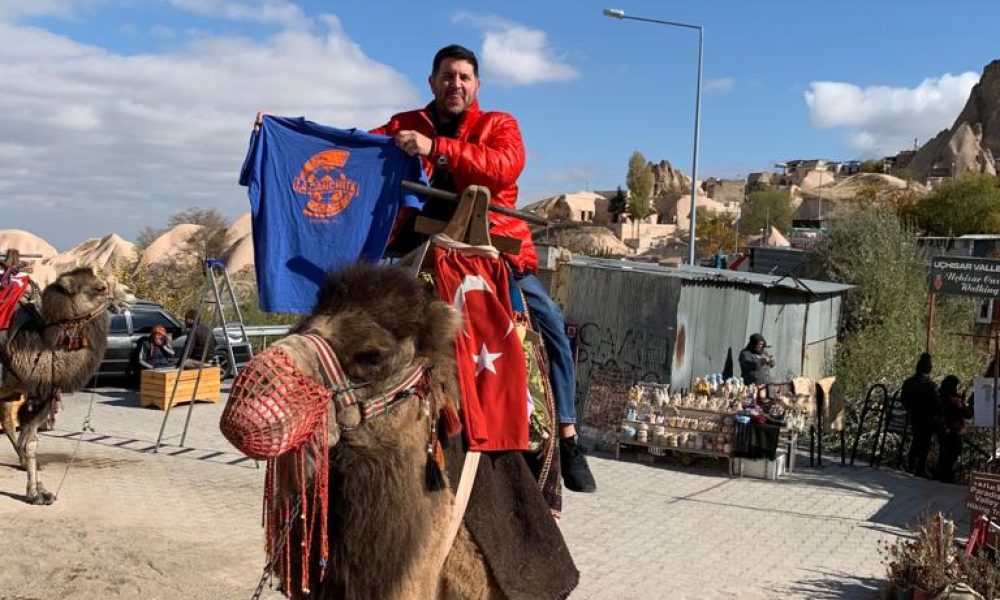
point(969, 204)
point(716, 231)
point(871, 166)
point(884, 315)
point(874, 251)
point(640, 186)
point(618, 205)
point(907, 174)
point(768, 207)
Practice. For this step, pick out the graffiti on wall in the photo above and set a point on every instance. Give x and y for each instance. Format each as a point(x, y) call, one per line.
point(639, 354)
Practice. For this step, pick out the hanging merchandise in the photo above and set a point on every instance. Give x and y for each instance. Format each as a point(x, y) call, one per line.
point(721, 418)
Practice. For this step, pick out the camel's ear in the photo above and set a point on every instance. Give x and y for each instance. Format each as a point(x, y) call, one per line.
point(68, 284)
point(440, 324)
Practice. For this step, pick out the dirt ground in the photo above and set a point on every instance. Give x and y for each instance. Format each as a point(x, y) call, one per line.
point(130, 525)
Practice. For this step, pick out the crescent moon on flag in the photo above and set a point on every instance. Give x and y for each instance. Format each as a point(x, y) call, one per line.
point(473, 283)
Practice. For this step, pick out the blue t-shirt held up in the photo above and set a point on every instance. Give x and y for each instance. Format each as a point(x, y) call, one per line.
point(321, 198)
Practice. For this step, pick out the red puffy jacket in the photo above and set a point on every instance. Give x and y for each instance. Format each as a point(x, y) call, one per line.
point(487, 150)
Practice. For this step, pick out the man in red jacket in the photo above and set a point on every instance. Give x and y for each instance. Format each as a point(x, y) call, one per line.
point(460, 145)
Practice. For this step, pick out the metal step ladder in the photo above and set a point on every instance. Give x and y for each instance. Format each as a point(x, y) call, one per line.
point(218, 297)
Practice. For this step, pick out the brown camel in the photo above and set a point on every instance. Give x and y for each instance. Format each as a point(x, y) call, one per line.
point(57, 350)
point(387, 535)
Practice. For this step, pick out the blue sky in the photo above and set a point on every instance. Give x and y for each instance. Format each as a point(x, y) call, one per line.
point(115, 114)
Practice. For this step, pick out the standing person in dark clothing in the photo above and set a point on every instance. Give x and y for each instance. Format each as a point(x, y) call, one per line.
point(920, 399)
point(199, 336)
point(953, 412)
point(755, 363)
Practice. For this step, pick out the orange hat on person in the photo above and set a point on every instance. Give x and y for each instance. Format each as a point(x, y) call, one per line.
point(158, 329)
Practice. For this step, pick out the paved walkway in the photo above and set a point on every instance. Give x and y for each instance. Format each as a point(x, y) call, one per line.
point(185, 523)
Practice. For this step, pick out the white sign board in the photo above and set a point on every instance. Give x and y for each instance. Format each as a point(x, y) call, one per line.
point(983, 390)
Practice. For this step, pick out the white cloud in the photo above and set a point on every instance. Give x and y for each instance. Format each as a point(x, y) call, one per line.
point(883, 119)
point(95, 142)
point(722, 85)
point(15, 9)
point(514, 54)
point(278, 12)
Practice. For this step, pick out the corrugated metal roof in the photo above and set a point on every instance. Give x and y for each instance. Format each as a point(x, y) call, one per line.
point(707, 275)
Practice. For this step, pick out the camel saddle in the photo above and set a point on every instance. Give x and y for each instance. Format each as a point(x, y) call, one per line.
point(524, 549)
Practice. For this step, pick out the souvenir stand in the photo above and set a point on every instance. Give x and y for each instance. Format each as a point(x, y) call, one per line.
point(722, 419)
point(688, 424)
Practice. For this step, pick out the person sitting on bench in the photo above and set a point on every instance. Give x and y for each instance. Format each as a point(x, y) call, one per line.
point(155, 351)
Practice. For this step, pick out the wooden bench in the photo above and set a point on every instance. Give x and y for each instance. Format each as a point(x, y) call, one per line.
point(158, 384)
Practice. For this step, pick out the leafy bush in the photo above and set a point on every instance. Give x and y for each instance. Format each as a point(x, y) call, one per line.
point(929, 561)
point(933, 562)
point(883, 319)
point(178, 286)
point(969, 204)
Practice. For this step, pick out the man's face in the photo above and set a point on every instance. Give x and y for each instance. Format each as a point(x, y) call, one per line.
point(189, 322)
point(760, 346)
point(455, 86)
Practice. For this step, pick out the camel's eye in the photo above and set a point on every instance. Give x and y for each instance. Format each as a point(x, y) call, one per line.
point(370, 358)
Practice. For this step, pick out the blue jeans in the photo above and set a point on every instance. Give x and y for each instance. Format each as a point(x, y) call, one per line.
point(547, 318)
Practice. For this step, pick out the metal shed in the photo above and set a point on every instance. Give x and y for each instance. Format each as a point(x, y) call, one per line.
point(674, 324)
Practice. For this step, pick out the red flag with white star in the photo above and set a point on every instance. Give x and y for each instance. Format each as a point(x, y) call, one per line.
point(492, 373)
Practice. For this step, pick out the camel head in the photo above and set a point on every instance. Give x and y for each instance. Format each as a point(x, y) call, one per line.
point(380, 323)
point(74, 294)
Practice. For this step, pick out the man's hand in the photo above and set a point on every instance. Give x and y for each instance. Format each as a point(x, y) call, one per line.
point(414, 143)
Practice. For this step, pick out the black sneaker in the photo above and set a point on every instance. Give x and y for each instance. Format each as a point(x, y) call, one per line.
point(573, 464)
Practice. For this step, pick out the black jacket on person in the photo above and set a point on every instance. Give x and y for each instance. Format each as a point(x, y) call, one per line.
point(754, 367)
point(200, 336)
point(154, 356)
point(919, 397)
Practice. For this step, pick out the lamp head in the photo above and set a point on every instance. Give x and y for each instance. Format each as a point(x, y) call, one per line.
point(614, 12)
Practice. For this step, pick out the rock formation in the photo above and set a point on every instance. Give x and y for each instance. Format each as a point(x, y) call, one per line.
point(972, 145)
point(668, 181)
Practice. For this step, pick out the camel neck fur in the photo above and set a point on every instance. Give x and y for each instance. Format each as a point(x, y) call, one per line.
point(383, 506)
point(40, 364)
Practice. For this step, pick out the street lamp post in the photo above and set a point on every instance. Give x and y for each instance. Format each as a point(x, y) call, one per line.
point(620, 14)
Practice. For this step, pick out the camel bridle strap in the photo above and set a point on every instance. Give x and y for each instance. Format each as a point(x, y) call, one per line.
point(82, 319)
point(343, 390)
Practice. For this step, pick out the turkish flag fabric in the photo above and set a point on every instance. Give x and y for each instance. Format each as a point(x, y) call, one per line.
point(492, 374)
point(10, 294)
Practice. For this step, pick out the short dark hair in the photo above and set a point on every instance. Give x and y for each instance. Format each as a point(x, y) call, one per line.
point(191, 314)
point(457, 52)
point(924, 365)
